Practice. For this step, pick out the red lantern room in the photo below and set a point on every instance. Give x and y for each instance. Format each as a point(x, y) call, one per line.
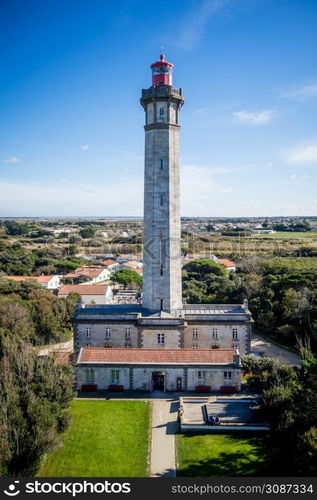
point(162, 72)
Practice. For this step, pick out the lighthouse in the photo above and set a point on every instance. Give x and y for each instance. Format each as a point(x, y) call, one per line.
point(162, 287)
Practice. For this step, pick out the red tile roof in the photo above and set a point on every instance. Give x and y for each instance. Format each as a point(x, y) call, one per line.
point(39, 279)
point(84, 289)
point(109, 262)
point(155, 356)
point(226, 262)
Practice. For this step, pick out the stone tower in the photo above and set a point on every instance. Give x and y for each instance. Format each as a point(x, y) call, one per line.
point(162, 287)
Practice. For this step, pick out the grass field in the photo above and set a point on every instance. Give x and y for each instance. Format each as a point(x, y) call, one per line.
point(105, 439)
point(207, 455)
point(286, 235)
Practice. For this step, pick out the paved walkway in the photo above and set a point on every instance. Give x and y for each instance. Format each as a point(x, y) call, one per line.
point(164, 427)
point(267, 348)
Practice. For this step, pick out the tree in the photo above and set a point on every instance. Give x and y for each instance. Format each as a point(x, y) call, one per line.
point(87, 232)
point(34, 396)
point(199, 268)
point(127, 277)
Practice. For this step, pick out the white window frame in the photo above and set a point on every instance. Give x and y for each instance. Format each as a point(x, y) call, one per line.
point(235, 334)
point(128, 333)
point(115, 376)
point(90, 376)
point(215, 333)
point(195, 333)
point(195, 346)
point(88, 332)
point(108, 333)
point(160, 338)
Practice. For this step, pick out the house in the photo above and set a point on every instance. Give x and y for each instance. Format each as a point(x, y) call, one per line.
point(93, 274)
point(134, 265)
point(111, 265)
point(90, 294)
point(50, 282)
point(229, 264)
point(161, 369)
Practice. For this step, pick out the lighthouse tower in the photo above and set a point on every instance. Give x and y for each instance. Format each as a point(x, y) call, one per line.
point(162, 288)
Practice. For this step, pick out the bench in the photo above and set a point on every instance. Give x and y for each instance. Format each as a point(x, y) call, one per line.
point(89, 387)
point(228, 388)
point(115, 388)
point(202, 388)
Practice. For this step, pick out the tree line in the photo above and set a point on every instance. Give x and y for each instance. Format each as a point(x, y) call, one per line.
point(282, 294)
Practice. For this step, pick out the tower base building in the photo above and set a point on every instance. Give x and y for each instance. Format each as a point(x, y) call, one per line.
point(163, 343)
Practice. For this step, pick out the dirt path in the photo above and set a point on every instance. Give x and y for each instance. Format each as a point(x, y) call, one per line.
point(164, 426)
point(62, 347)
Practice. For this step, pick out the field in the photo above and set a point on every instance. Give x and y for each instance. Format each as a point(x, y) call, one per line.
point(207, 455)
point(104, 439)
point(287, 235)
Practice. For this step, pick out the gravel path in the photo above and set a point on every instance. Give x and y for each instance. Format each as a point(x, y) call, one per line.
point(267, 348)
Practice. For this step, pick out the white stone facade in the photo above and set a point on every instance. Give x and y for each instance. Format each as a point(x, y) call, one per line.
point(161, 234)
point(139, 378)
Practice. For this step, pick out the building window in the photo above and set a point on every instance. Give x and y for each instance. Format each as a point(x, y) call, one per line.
point(215, 346)
point(161, 269)
point(201, 375)
point(115, 377)
point(162, 163)
point(195, 333)
point(90, 376)
point(215, 334)
point(127, 344)
point(161, 112)
point(235, 346)
point(235, 333)
point(227, 375)
point(161, 338)
point(195, 346)
point(88, 332)
point(162, 199)
point(128, 333)
point(108, 333)
point(161, 304)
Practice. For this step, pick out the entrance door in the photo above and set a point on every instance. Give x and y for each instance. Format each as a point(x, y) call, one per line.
point(179, 384)
point(158, 381)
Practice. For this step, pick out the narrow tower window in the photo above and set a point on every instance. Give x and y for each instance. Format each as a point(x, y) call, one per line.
point(161, 304)
point(162, 198)
point(162, 163)
point(161, 112)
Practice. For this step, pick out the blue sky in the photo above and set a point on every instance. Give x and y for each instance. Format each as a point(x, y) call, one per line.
point(71, 126)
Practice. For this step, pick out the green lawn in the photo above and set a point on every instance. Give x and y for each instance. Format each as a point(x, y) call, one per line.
point(105, 439)
point(207, 455)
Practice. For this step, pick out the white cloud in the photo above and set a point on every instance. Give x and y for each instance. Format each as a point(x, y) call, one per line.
point(254, 118)
point(198, 188)
point(304, 92)
point(193, 25)
point(119, 198)
point(85, 147)
point(12, 159)
point(303, 155)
